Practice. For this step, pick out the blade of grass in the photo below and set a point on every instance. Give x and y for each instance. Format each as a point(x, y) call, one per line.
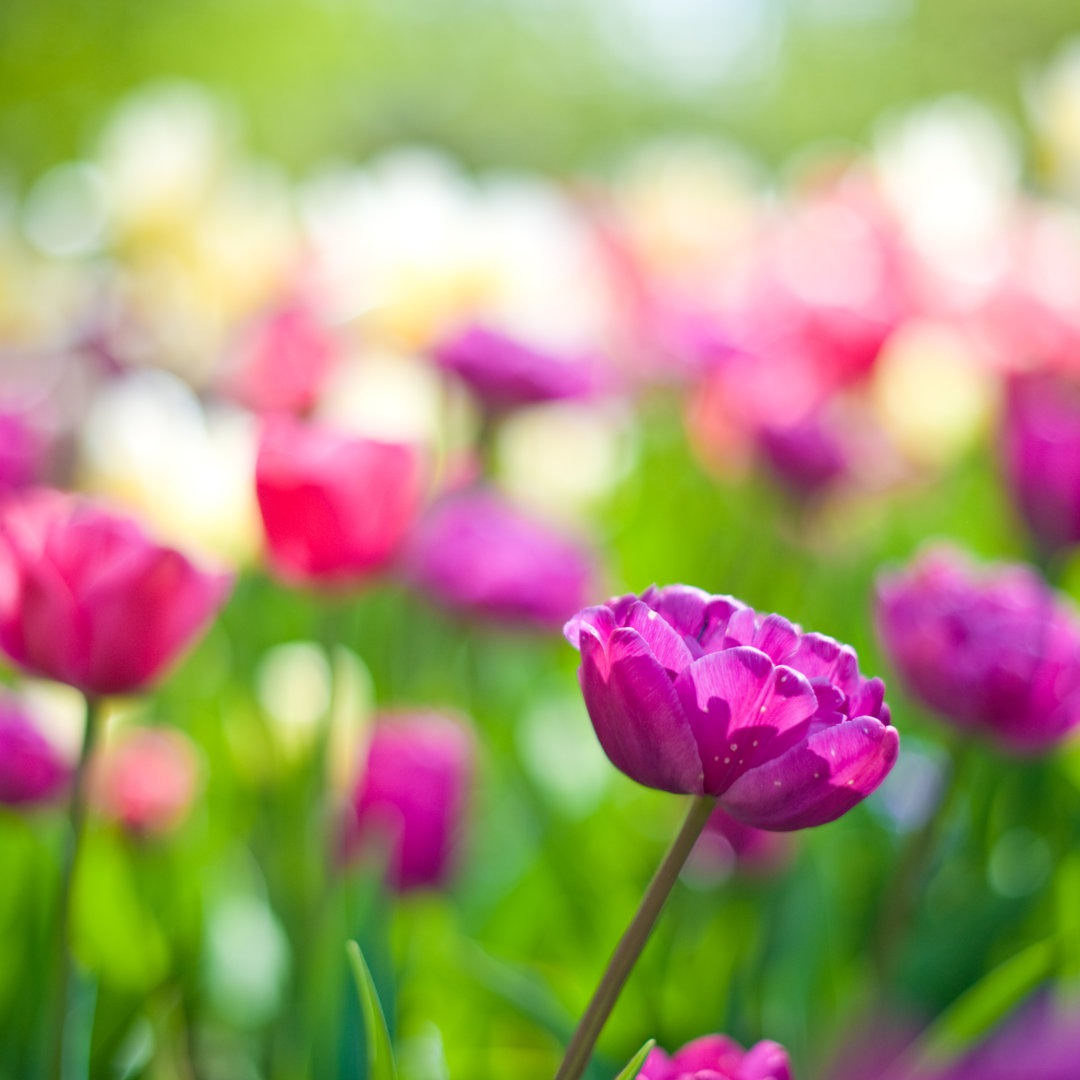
point(380, 1053)
point(634, 1066)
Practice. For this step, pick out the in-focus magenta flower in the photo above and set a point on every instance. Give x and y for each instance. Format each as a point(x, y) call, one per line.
point(31, 769)
point(477, 553)
point(410, 798)
point(88, 599)
point(1040, 445)
point(282, 362)
point(146, 780)
point(716, 1057)
point(506, 373)
point(335, 507)
point(697, 694)
point(994, 651)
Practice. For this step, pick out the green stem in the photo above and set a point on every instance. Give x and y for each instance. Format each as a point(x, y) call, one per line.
point(896, 910)
point(72, 847)
point(633, 941)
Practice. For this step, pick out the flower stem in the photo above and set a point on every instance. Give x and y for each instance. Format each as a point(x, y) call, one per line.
point(633, 941)
point(72, 846)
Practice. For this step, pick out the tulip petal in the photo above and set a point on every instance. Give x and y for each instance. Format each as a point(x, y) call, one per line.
point(765, 1061)
point(636, 713)
point(597, 621)
point(717, 1053)
point(777, 637)
point(742, 710)
point(818, 780)
point(682, 606)
point(665, 642)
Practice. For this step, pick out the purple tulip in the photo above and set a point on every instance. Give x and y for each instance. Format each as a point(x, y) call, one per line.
point(806, 457)
point(505, 373)
point(716, 1057)
point(31, 770)
point(411, 796)
point(1040, 443)
point(697, 694)
point(479, 554)
point(1040, 1041)
point(994, 650)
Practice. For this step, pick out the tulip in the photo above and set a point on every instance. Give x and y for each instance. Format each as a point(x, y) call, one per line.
point(335, 508)
point(805, 457)
point(88, 599)
point(477, 553)
point(147, 780)
point(1040, 442)
point(31, 770)
point(22, 451)
point(697, 694)
point(282, 362)
point(994, 651)
point(506, 373)
point(716, 1057)
point(411, 796)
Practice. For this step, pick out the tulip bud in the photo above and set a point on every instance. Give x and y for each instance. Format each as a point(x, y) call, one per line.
point(718, 1058)
point(994, 651)
point(31, 769)
point(88, 599)
point(146, 780)
point(410, 797)
point(335, 509)
point(477, 553)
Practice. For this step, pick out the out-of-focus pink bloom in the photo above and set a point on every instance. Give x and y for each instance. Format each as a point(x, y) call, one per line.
point(716, 1057)
point(282, 361)
point(21, 451)
point(1040, 444)
point(726, 844)
point(31, 770)
point(477, 553)
point(146, 780)
point(1040, 1041)
point(699, 695)
point(411, 796)
point(88, 599)
point(805, 457)
point(994, 651)
point(335, 507)
point(506, 373)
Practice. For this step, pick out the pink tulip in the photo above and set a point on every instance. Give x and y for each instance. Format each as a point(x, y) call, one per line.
point(147, 780)
point(282, 362)
point(411, 796)
point(31, 770)
point(335, 507)
point(716, 1057)
point(88, 599)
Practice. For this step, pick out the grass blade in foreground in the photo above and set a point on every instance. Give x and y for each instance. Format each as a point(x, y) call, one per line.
point(380, 1052)
point(636, 1062)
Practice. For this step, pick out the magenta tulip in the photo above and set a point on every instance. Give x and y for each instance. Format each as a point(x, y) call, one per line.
point(477, 553)
point(31, 769)
point(22, 451)
point(716, 1057)
point(1040, 444)
point(411, 796)
point(697, 694)
point(335, 508)
point(505, 373)
point(88, 599)
point(994, 651)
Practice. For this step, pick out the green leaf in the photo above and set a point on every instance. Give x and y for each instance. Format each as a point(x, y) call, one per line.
point(978, 1009)
point(380, 1052)
point(636, 1062)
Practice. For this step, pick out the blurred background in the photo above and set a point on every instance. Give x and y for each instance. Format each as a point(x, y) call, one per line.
point(792, 251)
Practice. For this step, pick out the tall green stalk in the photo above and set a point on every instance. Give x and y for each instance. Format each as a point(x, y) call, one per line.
point(633, 941)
